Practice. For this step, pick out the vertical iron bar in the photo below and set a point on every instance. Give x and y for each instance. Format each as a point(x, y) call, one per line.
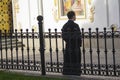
point(33, 48)
point(91, 60)
point(51, 62)
point(63, 49)
point(42, 46)
point(28, 55)
point(106, 58)
point(16, 47)
point(6, 48)
point(22, 49)
point(113, 46)
point(11, 48)
point(1, 49)
point(57, 50)
point(83, 46)
point(98, 52)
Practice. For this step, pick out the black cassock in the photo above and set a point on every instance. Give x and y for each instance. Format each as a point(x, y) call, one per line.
point(72, 55)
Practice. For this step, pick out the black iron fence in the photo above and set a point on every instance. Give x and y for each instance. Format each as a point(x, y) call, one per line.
point(43, 51)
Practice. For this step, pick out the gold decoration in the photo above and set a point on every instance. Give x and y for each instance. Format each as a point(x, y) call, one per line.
point(89, 2)
point(16, 6)
point(114, 26)
point(15, 12)
point(92, 10)
point(34, 27)
point(55, 10)
point(91, 17)
point(6, 15)
point(55, 2)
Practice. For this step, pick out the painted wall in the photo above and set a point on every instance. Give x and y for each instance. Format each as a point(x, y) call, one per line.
point(114, 15)
point(106, 14)
point(25, 13)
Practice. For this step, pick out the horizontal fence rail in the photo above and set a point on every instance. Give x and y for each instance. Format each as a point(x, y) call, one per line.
point(99, 52)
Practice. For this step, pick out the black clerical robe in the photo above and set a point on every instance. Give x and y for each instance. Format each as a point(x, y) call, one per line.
point(72, 55)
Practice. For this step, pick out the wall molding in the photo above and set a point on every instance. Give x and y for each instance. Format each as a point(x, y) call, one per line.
point(107, 13)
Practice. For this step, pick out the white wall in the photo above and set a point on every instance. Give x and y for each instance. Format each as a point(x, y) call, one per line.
point(26, 17)
point(113, 12)
point(100, 17)
point(106, 14)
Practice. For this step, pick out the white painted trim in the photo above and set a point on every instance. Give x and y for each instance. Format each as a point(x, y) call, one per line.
point(119, 13)
point(29, 9)
point(40, 7)
point(107, 13)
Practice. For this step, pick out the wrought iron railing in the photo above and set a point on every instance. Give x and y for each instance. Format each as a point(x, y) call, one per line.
point(43, 51)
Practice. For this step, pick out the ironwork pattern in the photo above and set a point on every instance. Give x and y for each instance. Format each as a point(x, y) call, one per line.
point(95, 60)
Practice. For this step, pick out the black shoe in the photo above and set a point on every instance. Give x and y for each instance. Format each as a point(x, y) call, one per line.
point(66, 73)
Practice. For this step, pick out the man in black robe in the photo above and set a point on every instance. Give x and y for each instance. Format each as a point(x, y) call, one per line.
point(71, 34)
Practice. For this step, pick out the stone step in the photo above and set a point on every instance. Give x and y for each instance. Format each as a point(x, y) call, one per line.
point(8, 43)
point(8, 40)
point(13, 46)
